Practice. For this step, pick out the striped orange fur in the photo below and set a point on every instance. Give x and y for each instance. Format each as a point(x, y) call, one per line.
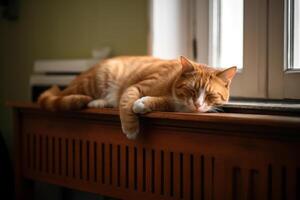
point(140, 84)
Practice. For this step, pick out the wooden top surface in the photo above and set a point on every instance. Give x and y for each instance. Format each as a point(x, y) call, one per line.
point(229, 118)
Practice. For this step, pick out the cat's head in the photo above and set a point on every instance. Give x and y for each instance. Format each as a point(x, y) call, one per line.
point(201, 88)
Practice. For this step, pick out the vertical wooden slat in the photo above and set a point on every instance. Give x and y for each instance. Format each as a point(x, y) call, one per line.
point(27, 152)
point(63, 157)
point(230, 169)
point(108, 164)
point(100, 162)
point(123, 176)
point(115, 164)
point(77, 159)
point(92, 161)
point(40, 153)
point(207, 177)
point(176, 174)
point(50, 154)
point(197, 177)
point(186, 176)
point(149, 170)
point(157, 177)
point(291, 180)
point(140, 169)
point(167, 170)
point(262, 189)
point(84, 160)
point(44, 153)
point(57, 155)
point(71, 157)
point(276, 182)
point(131, 167)
point(37, 152)
point(33, 151)
point(220, 177)
point(245, 174)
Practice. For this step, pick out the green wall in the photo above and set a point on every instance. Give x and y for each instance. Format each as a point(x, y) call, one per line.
point(55, 29)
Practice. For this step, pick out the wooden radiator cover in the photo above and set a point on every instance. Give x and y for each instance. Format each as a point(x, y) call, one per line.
point(177, 156)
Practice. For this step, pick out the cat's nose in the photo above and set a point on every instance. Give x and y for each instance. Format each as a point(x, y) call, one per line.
point(201, 108)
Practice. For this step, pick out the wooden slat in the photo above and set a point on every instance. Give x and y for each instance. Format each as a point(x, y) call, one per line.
point(158, 171)
point(57, 156)
point(37, 152)
point(33, 152)
point(149, 170)
point(115, 164)
point(167, 169)
point(108, 164)
point(186, 176)
point(131, 169)
point(84, 159)
point(124, 179)
point(177, 178)
point(92, 160)
point(262, 192)
point(71, 158)
point(50, 155)
point(77, 159)
point(26, 152)
point(40, 165)
point(208, 177)
point(291, 182)
point(220, 176)
point(44, 153)
point(101, 160)
point(245, 174)
point(63, 157)
point(276, 182)
point(197, 176)
point(140, 169)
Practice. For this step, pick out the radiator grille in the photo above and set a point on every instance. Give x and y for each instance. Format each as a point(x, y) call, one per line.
point(157, 172)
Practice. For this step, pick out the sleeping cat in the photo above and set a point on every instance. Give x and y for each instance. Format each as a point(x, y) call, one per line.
point(137, 85)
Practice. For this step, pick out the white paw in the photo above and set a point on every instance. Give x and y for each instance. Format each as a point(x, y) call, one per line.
point(99, 103)
point(130, 135)
point(139, 106)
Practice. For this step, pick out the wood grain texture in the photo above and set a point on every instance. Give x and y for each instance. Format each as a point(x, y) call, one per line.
point(177, 155)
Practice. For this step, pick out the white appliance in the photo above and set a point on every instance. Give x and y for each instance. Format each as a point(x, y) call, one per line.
point(61, 72)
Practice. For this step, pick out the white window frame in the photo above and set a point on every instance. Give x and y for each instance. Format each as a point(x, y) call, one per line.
point(264, 74)
point(254, 69)
point(283, 83)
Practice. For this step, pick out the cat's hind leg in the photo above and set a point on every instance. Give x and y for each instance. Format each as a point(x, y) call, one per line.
point(98, 103)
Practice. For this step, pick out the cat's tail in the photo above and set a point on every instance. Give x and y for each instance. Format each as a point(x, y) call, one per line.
point(53, 100)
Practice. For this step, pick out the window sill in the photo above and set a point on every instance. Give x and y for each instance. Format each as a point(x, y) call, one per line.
point(261, 106)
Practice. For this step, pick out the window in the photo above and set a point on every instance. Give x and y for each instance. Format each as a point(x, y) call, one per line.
point(261, 37)
point(297, 35)
point(227, 33)
point(292, 42)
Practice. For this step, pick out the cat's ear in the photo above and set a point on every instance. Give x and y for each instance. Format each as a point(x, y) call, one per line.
point(227, 74)
point(187, 66)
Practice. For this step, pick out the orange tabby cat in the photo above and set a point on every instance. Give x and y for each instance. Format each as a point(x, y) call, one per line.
point(143, 84)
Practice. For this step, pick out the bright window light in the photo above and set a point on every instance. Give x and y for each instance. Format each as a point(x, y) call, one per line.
point(297, 35)
point(231, 33)
point(227, 33)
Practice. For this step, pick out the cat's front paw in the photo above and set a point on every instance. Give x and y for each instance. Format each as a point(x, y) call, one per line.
point(130, 133)
point(140, 107)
